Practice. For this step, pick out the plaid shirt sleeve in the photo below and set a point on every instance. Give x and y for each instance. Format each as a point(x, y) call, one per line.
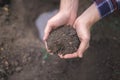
point(118, 3)
point(105, 7)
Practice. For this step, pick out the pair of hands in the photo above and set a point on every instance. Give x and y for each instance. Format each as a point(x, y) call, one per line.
point(82, 24)
point(82, 30)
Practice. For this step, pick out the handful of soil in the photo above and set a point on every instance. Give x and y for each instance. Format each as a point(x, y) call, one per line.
point(63, 40)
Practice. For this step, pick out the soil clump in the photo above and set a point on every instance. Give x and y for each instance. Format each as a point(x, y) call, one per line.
point(63, 40)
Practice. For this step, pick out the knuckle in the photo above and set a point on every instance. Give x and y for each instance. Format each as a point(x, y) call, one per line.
point(50, 22)
point(79, 54)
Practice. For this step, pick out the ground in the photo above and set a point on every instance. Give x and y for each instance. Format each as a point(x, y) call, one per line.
point(23, 57)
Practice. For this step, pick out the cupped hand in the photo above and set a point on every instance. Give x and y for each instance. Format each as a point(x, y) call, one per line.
point(82, 25)
point(59, 19)
point(83, 32)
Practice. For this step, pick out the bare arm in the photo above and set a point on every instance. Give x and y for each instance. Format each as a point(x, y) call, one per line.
point(69, 7)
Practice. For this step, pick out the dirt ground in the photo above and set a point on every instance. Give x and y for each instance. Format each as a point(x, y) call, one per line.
point(23, 57)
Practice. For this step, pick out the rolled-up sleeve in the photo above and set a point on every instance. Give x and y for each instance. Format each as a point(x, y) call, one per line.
point(118, 3)
point(105, 7)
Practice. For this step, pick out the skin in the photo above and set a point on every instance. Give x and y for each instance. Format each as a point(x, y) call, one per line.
point(67, 15)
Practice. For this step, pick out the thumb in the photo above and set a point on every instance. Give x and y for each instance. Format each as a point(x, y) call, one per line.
point(47, 31)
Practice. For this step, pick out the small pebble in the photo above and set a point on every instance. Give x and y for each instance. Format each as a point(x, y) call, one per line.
point(6, 63)
point(18, 69)
point(2, 49)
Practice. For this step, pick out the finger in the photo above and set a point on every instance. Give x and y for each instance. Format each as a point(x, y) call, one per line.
point(83, 46)
point(47, 30)
point(74, 25)
point(68, 56)
point(60, 55)
point(47, 47)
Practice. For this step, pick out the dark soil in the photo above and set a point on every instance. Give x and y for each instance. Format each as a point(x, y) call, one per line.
point(4, 2)
point(23, 56)
point(63, 40)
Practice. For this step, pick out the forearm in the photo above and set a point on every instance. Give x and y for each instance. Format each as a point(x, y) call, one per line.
point(98, 10)
point(69, 6)
point(91, 15)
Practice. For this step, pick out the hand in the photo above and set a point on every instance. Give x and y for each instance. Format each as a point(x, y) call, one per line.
point(66, 15)
point(83, 32)
point(59, 19)
point(82, 25)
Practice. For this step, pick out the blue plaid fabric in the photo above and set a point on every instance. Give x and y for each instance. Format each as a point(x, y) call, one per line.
point(106, 7)
point(118, 3)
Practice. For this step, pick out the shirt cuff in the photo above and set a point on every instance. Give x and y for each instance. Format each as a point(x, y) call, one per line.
point(105, 7)
point(118, 3)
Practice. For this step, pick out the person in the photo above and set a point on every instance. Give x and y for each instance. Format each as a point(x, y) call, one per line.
point(67, 15)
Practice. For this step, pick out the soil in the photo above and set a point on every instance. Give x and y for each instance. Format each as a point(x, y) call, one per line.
point(63, 40)
point(23, 56)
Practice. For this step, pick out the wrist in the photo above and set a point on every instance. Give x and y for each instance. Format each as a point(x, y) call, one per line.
point(69, 5)
point(91, 15)
point(69, 8)
point(69, 16)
